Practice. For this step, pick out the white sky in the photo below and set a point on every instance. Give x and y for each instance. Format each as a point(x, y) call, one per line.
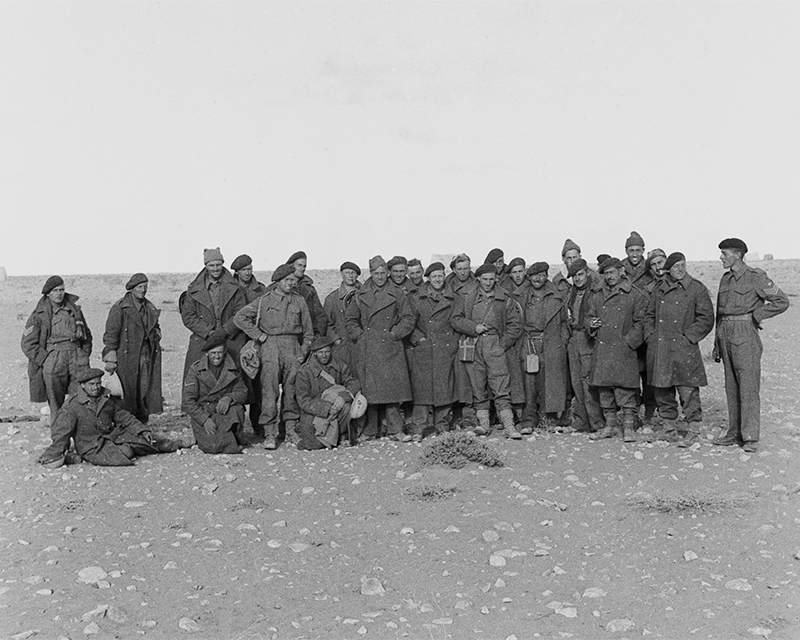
point(134, 134)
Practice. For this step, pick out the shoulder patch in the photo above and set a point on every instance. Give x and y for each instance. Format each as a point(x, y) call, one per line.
point(770, 287)
point(28, 331)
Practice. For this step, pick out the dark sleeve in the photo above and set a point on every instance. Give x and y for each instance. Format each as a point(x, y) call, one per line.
point(318, 318)
point(352, 320)
point(111, 337)
point(191, 320)
point(86, 343)
point(703, 315)
point(459, 320)
point(406, 321)
point(125, 421)
point(238, 302)
point(306, 399)
point(650, 316)
point(329, 308)
point(513, 324)
point(238, 393)
point(349, 381)
point(62, 430)
point(30, 342)
point(592, 312)
point(190, 401)
point(635, 336)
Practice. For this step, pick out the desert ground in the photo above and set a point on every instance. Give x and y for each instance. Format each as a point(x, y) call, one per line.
point(567, 539)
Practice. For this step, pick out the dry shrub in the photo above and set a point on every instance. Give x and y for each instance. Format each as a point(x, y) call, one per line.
point(430, 492)
point(456, 449)
point(690, 502)
point(250, 503)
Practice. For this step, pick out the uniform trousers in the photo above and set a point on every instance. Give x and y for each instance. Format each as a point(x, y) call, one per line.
point(740, 348)
point(279, 364)
point(489, 373)
point(59, 371)
point(588, 415)
point(613, 398)
point(441, 417)
point(689, 399)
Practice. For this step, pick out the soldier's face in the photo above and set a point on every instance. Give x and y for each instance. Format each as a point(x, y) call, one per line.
point(580, 278)
point(538, 279)
point(486, 281)
point(518, 274)
point(139, 291)
point(288, 284)
point(214, 269)
point(657, 265)
point(729, 258)
point(300, 267)
point(415, 273)
point(216, 355)
point(349, 277)
point(571, 256)
point(56, 296)
point(93, 388)
point(379, 276)
point(245, 274)
point(635, 254)
point(678, 270)
point(612, 276)
point(462, 270)
point(398, 273)
point(499, 265)
point(323, 355)
point(436, 279)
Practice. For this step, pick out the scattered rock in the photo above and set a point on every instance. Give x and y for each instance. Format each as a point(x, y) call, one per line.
point(620, 624)
point(371, 587)
point(187, 624)
point(24, 635)
point(760, 631)
point(91, 575)
point(490, 536)
point(689, 556)
point(739, 584)
point(91, 629)
point(133, 504)
point(594, 592)
point(497, 561)
point(299, 547)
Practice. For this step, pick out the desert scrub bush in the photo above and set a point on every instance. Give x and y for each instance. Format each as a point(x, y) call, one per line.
point(456, 449)
point(250, 503)
point(430, 492)
point(690, 501)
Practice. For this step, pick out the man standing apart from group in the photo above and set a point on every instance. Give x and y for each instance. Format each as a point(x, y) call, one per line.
point(57, 343)
point(747, 297)
point(132, 348)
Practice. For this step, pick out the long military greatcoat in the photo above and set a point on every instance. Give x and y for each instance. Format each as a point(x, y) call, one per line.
point(556, 336)
point(678, 317)
point(197, 313)
point(377, 320)
point(128, 336)
point(621, 310)
point(434, 345)
point(334, 306)
point(36, 335)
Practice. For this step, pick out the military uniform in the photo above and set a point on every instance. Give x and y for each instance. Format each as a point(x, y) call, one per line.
point(746, 297)
point(253, 290)
point(285, 322)
point(335, 304)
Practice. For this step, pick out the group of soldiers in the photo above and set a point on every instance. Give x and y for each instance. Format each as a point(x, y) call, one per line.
point(412, 351)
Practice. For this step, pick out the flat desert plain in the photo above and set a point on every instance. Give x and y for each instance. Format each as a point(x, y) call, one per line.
point(568, 539)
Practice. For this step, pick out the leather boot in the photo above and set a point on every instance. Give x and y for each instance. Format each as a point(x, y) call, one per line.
point(291, 432)
point(670, 432)
point(628, 424)
point(692, 435)
point(507, 417)
point(484, 427)
point(610, 430)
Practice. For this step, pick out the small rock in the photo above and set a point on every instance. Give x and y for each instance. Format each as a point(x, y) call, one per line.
point(91, 629)
point(97, 612)
point(504, 526)
point(689, 556)
point(797, 555)
point(209, 488)
point(443, 621)
point(34, 580)
point(490, 536)
point(362, 631)
point(452, 529)
point(279, 523)
point(133, 504)
point(307, 490)
point(620, 624)
point(568, 612)
point(299, 547)
point(400, 475)
point(638, 455)
point(760, 631)
point(371, 587)
point(44, 592)
point(116, 614)
point(274, 544)
point(497, 561)
point(24, 635)
point(594, 592)
point(406, 531)
point(187, 624)
point(739, 584)
point(350, 621)
point(170, 565)
point(91, 575)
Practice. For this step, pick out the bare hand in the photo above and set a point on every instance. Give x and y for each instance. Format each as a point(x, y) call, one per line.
point(481, 329)
point(210, 427)
point(223, 404)
point(262, 338)
point(595, 323)
point(111, 367)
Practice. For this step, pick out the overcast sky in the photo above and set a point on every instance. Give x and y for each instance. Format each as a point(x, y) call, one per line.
point(135, 134)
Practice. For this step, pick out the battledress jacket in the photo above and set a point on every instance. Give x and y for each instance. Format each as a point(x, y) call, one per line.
point(36, 335)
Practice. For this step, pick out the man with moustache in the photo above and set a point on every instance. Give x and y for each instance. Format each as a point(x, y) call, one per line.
point(335, 304)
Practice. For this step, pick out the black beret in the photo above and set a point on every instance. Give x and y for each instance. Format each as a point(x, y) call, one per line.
point(434, 266)
point(216, 339)
point(516, 262)
point(602, 258)
point(576, 266)
point(51, 283)
point(241, 262)
point(611, 263)
point(677, 256)
point(320, 342)
point(350, 265)
point(395, 261)
point(485, 268)
point(538, 267)
point(297, 255)
point(136, 279)
point(282, 271)
point(733, 243)
point(494, 255)
point(89, 374)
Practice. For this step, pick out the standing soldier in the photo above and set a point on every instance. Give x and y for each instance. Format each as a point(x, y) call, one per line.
point(543, 349)
point(207, 308)
point(57, 343)
point(614, 318)
point(253, 290)
point(132, 348)
point(398, 269)
point(305, 287)
point(570, 253)
point(415, 275)
point(281, 323)
point(431, 358)
point(587, 414)
point(460, 281)
point(377, 320)
point(491, 318)
point(655, 268)
point(496, 258)
point(461, 275)
point(516, 274)
point(746, 298)
point(679, 316)
point(335, 305)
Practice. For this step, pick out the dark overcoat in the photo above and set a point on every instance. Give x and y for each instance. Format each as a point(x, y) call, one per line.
point(679, 316)
point(197, 314)
point(377, 320)
point(127, 335)
point(35, 337)
point(253, 290)
point(556, 336)
point(334, 306)
point(97, 429)
point(202, 391)
point(621, 310)
point(433, 348)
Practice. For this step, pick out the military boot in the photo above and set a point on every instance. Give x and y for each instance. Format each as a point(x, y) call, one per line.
point(692, 435)
point(670, 431)
point(628, 424)
point(507, 417)
point(484, 427)
point(610, 430)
